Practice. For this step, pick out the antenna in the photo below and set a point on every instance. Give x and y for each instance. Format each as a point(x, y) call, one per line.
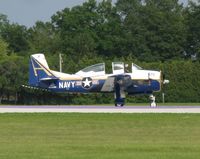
point(60, 62)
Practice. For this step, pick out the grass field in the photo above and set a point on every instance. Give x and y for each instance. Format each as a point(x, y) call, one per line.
point(99, 136)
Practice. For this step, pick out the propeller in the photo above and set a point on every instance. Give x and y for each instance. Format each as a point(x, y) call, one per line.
point(164, 81)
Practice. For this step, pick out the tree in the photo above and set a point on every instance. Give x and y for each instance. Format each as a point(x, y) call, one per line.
point(90, 29)
point(3, 22)
point(13, 71)
point(16, 36)
point(3, 48)
point(42, 38)
point(155, 28)
point(75, 28)
point(192, 14)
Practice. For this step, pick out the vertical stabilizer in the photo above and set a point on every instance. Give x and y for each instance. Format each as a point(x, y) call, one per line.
point(38, 69)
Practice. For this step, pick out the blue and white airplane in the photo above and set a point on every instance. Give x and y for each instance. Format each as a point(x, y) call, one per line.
point(94, 79)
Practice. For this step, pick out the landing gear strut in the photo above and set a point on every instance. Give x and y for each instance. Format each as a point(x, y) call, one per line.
point(119, 94)
point(152, 101)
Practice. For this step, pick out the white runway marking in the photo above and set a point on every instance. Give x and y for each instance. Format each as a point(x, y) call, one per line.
point(99, 109)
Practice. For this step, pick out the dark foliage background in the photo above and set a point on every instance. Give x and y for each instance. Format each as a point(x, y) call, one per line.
point(161, 35)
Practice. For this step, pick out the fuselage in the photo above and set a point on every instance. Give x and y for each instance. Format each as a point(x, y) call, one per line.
point(140, 83)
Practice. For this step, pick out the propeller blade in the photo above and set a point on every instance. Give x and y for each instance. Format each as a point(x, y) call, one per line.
point(164, 81)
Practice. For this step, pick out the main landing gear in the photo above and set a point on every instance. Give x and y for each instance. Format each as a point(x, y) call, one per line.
point(119, 105)
point(119, 94)
point(152, 101)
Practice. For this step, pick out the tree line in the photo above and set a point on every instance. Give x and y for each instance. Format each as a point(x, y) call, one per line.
point(155, 34)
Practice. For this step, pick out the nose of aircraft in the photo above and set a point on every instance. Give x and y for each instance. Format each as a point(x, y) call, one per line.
point(164, 81)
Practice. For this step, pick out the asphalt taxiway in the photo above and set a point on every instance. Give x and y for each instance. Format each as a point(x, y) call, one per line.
point(98, 109)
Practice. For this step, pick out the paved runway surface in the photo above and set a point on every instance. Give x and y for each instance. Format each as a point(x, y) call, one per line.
point(99, 109)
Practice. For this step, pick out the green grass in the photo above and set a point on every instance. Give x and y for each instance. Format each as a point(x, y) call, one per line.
point(99, 136)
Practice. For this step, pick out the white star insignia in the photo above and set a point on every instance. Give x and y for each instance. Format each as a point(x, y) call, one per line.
point(86, 83)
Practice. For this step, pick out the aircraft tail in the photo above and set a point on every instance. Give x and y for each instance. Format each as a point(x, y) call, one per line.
point(39, 70)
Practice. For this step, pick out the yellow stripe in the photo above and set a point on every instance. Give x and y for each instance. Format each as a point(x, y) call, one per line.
point(44, 69)
point(34, 69)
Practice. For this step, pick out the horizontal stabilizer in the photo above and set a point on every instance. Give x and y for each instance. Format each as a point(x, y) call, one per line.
point(48, 79)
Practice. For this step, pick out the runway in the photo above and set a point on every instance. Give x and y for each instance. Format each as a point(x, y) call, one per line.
point(98, 109)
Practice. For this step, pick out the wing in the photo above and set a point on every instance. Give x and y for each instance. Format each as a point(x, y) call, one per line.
point(108, 85)
point(123, 79)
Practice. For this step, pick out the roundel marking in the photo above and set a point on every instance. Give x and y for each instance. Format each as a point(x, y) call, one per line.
point(87, 82)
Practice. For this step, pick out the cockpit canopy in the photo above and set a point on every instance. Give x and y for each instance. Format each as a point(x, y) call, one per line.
point(118, 67)
point(94, 70)
point(99, 69)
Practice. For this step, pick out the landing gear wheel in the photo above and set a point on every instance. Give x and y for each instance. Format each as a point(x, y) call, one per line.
point(153, 104)
point(119, 105)
point(153, 101)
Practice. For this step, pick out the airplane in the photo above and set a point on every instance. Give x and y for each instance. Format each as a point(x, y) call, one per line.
point(93, 79)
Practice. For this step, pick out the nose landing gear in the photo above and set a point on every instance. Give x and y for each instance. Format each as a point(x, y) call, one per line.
point(152, 101)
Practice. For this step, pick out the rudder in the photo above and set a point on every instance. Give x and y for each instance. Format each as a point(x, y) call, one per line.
point(38, 69)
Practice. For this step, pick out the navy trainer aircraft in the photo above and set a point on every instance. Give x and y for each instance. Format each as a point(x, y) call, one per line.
point(93, 79)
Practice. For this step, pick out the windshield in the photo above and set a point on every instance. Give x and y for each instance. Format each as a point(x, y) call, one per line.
point(136, 67)
point(94, 68)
